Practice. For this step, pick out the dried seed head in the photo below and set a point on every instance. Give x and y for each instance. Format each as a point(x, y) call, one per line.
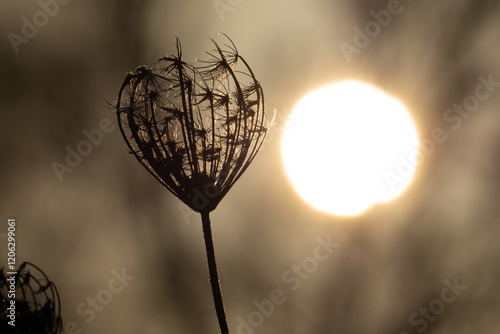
point(194, 126)
point(37, 304)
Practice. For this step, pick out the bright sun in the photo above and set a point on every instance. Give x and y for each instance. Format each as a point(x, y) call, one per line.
point(343, 145)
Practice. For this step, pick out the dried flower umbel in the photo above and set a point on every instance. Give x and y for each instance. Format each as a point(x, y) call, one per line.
point(37, 305)
point(196, 129)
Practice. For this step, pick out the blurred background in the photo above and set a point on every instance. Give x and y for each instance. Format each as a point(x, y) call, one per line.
point(108, 215)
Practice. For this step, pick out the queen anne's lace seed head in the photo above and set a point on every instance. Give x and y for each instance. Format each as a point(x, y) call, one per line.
point(37, 305)
point(194, 127)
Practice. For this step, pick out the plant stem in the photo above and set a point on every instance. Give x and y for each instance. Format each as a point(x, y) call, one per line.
point(212, 270)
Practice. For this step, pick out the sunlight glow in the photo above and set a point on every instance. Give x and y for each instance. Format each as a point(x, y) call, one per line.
point(343, 142)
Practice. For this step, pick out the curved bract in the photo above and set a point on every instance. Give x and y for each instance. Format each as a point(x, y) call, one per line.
point(194, 128)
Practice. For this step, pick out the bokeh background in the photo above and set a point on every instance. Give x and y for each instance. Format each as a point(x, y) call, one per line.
point(110, 214)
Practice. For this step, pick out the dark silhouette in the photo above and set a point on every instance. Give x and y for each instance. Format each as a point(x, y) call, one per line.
point(196, 129)
point(37, 305)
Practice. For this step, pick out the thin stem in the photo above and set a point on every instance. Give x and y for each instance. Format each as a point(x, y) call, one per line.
point(212, 270)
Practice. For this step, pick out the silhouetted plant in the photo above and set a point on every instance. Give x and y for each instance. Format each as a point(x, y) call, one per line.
point(196, 129)
point(37, 305)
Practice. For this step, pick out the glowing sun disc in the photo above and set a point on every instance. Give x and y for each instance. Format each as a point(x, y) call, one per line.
point(342, 144)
